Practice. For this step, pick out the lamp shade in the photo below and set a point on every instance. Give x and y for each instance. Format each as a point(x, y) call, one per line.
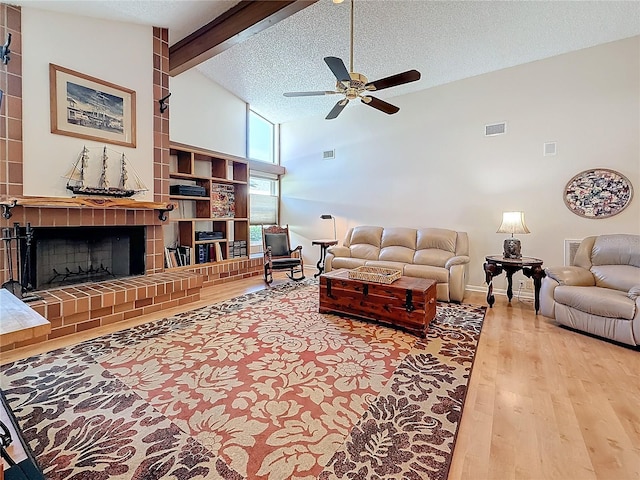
point(513, 222)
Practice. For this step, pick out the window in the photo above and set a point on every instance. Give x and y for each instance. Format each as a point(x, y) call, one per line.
point(263, 202)
point(261, 138)
point(264, 176)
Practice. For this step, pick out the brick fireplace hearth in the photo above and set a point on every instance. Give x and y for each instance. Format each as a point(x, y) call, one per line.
point(76, 308)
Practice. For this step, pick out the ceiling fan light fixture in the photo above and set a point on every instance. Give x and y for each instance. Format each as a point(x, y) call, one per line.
point(353, 85)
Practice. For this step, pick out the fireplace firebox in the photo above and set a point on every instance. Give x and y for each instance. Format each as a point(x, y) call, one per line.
point(61, 256)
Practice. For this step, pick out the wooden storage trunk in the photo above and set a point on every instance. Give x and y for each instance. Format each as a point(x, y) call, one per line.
point(409, 302)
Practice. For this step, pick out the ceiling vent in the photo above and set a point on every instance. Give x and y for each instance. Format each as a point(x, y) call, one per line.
point(495, 129)
point(550, 149)
point(328, 154)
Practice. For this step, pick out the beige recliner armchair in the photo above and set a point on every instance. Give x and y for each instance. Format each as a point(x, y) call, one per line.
point(600, 294)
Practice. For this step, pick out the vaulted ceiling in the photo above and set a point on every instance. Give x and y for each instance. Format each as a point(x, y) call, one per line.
point(445, 40)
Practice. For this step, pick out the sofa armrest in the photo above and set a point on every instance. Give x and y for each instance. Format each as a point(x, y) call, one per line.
point(337, 251)
point(457, 260)
point(575, 276)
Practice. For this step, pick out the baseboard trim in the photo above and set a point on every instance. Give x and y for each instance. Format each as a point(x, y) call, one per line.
point(524, 294)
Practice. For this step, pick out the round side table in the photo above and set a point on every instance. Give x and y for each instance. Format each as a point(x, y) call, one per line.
point(324, 244)
point(531, 268)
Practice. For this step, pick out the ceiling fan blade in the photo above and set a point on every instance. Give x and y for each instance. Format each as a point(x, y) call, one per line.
point(380, 105)
point(309, 94)
point(394, 80)
point(337, 67)
point(337, 108)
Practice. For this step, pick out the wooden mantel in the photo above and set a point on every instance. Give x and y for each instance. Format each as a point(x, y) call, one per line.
point(7, 203)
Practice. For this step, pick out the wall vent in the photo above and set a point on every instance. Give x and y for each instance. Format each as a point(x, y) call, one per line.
point(550, 149)
point(328, 154)
point(570, 249)
point(495, 129)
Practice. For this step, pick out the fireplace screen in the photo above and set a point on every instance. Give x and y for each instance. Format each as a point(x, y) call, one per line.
point(69, 255)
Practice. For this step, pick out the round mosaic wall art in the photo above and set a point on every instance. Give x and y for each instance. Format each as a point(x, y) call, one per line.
point(598, 193)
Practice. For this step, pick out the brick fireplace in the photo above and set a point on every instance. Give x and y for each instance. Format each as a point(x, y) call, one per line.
point(147, 288)
point(11, 156)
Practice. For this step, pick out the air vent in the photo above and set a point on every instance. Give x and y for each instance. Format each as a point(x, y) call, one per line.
point(495, 129)
point(328, 154)
point(570, 249)
point(549, 149)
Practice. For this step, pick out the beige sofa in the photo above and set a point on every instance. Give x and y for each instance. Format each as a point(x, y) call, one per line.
point(600, 293)
point(434, 253)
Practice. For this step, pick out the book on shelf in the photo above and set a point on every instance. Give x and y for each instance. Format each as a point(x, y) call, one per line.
point(172, 258)
point(219, 256)
point(203, 253)
point(184, 254)
point(238, 248)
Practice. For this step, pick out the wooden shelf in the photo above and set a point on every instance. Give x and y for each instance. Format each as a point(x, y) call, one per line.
point(187, 197)
point(207, 168)
point(7, 203)
point(204, 242)
point(209, 219)
point(187, 176)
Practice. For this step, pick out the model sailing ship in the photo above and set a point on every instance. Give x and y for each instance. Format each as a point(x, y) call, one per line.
point(78, 181)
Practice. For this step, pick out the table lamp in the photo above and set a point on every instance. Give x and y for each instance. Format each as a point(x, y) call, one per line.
point(331, 217)
point(512, 222)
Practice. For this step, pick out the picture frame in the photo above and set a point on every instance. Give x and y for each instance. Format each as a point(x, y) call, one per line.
point(598, 193)
point(87, 107)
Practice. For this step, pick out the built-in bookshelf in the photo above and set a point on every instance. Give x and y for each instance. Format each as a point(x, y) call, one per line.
point(210, 222)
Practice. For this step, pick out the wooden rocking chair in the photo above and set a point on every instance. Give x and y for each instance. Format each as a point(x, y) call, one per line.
point(278, 254)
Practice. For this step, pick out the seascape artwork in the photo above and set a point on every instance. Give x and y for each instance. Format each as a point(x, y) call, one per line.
point(94, 109)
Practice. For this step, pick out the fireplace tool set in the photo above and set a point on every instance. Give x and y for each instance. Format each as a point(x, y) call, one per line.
point(19, 282)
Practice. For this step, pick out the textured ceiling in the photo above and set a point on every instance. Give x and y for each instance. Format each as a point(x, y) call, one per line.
point(444, 40)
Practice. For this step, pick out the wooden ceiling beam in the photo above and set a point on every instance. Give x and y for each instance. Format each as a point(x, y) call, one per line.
point(232, 27)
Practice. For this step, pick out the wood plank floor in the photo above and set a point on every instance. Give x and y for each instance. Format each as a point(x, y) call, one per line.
point(544, 402)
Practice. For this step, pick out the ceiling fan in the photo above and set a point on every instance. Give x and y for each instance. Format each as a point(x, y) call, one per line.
point(355, 85)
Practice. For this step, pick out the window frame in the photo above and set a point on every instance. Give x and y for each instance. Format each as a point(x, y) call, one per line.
point(275, 137)
point(260, 168)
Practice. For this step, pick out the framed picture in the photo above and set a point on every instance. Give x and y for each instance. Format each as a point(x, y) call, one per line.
point(598, 193)
point(87, 107)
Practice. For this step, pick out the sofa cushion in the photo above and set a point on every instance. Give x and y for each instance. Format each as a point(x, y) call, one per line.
point(604, 302)
point(437, 238)
point(399, 236)
point(431, 256)
point(367, 235)
point(618, 249)
point(396, 254)
point(620, 277)
point(346, 262)
point(364, 251)
point(365, 242)
point(440, 275)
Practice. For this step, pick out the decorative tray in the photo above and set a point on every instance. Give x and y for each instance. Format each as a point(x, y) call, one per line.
point(375, 274)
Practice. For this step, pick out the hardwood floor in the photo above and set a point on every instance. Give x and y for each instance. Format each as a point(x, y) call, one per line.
point(543, 402)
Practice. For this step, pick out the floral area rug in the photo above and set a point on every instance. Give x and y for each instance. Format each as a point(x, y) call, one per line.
point(258, 387)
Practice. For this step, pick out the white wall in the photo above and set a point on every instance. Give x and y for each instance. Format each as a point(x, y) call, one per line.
point(205, 115)
point(431, 165)
point(119, 53)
